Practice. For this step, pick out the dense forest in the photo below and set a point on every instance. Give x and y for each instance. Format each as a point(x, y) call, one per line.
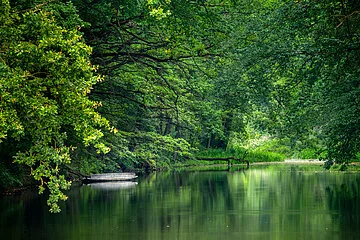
point(90, 86)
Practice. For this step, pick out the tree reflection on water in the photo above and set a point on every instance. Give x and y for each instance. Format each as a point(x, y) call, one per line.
point(267, 202)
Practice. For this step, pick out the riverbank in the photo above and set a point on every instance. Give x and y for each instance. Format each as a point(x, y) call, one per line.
point(292, 161)
point(218, 166)
point(317, 164)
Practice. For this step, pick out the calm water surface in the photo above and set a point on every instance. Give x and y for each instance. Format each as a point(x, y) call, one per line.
point(268, 202)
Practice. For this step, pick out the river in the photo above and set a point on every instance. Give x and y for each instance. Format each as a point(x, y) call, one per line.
point(263, 202)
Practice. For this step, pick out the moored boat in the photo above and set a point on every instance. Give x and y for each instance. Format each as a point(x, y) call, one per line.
point(107, 177)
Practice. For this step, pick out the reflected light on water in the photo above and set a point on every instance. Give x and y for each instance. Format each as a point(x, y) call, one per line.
point(115, 185)
point(275, 202)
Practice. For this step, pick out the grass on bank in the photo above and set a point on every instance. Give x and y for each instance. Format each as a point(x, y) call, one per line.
point(250, 155)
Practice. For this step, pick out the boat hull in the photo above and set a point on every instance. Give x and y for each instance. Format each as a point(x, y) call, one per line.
point(110, 177)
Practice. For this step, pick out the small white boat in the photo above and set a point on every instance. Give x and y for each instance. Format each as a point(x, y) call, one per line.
point(107, 177)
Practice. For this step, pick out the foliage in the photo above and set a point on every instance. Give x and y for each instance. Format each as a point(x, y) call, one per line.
point(253, 155)
point(264, 156)
point(156, 72)
point(271, 78)
point(301, 60)
point(44, 81)
point(10, 177)
point(308, 153)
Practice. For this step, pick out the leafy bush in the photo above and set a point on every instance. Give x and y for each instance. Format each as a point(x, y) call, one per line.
point(357, 158)
point(263, 156)
point(252, 155)
point(308, 153)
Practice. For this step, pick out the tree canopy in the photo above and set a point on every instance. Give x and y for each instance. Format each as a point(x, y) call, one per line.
point(45, 78)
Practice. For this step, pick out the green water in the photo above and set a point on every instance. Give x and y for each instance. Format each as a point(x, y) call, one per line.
point(277, 202)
